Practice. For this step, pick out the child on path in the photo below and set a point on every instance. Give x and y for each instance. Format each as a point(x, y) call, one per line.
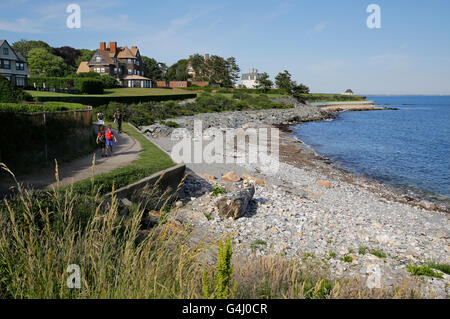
point(101, 139)
point(110, 140)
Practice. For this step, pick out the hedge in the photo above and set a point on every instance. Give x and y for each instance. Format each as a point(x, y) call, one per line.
point(105, 100)
point(36, 108)
point(84, 85)
point(29, 139)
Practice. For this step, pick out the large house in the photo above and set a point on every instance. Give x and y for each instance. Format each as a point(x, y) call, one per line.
point(123, 63)
point(13, 65)
point(249, 79)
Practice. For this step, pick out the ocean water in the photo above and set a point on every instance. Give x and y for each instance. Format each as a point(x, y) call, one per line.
point(408, 148)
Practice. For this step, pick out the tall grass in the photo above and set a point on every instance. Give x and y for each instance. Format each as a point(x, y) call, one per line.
point(42, 234)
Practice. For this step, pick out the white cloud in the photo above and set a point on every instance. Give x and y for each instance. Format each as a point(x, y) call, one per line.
point(317, 28)
point(21, 25)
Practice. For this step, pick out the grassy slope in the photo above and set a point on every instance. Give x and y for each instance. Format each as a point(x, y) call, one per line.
point(117, 92)
point(150, 161)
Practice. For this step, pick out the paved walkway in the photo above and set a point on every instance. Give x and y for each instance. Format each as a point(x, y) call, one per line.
point(125, 151)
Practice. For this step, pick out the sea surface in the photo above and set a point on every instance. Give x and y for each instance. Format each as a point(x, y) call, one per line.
point(407, 148)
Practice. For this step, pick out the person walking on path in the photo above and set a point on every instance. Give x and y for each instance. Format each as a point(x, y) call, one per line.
point(110, 140)
point(101, 140)
point(100, 118)
point(118, 120)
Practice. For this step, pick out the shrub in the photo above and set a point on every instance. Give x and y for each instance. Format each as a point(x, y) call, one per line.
point(89, 86)
point(445, 268)
point(378, 253)
point(423, 271)
point(8, 92)
point(224, 271)
point(217, 190)
point(362, 250)
point(109, 82)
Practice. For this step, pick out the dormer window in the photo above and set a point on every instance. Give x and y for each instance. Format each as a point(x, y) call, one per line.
point(5, 51)
point(98, 59)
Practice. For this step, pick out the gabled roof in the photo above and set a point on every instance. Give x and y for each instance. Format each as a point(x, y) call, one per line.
point(83, 68)
point(348, 91)
point(17, 54)
point(108, 60)
point(126, 53)
point(134, 51)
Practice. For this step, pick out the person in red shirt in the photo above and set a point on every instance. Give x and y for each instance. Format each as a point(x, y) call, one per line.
point(110, 140)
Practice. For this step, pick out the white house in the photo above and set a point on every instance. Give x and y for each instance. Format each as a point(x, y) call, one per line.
point(348, 92)
point(249, 79)
point(13, 65)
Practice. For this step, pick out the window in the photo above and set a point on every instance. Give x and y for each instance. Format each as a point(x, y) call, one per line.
point(103, 70)
point(98, 59)
point(130, 71)
point(20, 66)
point(20, 81)
point(115, 70)
point(5, 51)
point(6, 64)
point(129, 61)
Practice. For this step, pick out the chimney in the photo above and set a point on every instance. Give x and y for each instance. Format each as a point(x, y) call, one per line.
point(134, 47)
point(113, 47)
point(207, 56)
point(103, 46)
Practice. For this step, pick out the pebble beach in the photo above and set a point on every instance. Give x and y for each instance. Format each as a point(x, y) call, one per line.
point(310, 209)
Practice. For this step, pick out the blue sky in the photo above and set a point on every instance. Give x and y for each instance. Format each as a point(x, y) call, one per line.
point(323, 43)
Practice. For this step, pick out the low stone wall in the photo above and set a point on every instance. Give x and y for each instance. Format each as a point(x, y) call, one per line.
point(168, 179)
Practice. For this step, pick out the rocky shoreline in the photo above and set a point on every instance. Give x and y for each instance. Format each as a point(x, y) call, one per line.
point(311, 209)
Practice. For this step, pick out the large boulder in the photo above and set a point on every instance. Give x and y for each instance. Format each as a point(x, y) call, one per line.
point(235, 204)
point(231, 177)
point(253, 179)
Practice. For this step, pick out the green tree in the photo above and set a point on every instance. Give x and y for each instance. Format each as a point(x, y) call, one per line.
point(198, 63)
point(300, 89)
point(178, 71)
point(25, 46)
point(42, 63)
point(85, 56)
point(153, 69)
point(222, 72)
point(284, 81)
point(263, 83)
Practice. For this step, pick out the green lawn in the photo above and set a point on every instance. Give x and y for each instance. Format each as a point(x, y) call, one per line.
point(151, 160)
point(117, 92)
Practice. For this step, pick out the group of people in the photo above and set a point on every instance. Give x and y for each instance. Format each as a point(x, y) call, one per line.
point(106, 136)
